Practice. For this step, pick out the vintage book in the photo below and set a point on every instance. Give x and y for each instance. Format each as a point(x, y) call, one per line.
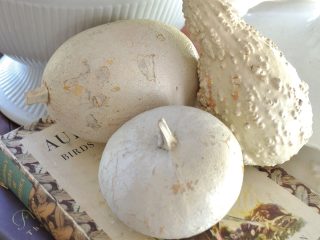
point(40, 193)
point(16, 221)
point(61, 189)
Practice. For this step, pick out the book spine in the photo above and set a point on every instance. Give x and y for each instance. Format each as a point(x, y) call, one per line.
point(12, 177)
point(38, 200)
point(16, 222)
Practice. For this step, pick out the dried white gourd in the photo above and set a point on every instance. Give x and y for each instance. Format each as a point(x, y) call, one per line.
point(247, 82)
point(171, 172)
point(102, 77)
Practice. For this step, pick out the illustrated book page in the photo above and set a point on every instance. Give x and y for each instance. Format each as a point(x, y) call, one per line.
point(264, 209)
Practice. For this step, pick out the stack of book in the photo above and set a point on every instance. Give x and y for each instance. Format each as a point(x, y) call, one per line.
point(54, 174)
point(16, 221)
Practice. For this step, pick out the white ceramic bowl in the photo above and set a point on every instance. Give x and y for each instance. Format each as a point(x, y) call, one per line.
point(31, 30)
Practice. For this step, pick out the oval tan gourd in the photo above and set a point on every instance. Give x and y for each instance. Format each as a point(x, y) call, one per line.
point(102, 77)
point(246, 81)
point(171, 172)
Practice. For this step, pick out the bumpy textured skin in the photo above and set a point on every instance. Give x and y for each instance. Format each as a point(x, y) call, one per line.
point(172, 194)
point(247, 82)
point(104, 76)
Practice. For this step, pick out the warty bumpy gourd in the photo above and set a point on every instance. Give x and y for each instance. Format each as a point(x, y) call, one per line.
point(246, 81)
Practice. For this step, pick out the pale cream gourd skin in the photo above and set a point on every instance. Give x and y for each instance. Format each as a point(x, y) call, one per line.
point(104, 76)
point(174, 183)
point(247, 82)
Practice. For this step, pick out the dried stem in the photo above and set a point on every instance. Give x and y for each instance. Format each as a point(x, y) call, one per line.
point(38, 95)
point(168, 140)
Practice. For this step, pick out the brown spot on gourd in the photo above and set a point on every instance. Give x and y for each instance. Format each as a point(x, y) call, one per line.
point(175, 188)
point(178, 188)
point(75, 89)
point(92, 122)
point(99, 100)
point(235, 95)
point(181, 187)
point(146, 65)
point(235, 81)
point(211, 102)
point(161, 37)
point(102, 75)
point(190, 186)
point(115, 89)
point(109, 62)
point(78, 90)
point(66, 87)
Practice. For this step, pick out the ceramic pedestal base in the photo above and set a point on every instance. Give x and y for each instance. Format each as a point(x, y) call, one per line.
point(16, 79)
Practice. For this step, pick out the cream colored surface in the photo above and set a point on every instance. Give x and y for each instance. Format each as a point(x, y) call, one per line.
point(246, 81)
point(104, 76)
point(175, 193)
point(79, 177)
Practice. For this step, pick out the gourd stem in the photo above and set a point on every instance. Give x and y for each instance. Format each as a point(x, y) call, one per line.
point(168, 139)
point(38, 95)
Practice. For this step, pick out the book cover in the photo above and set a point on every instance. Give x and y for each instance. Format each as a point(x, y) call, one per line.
point(16, 221)
point(272, 204)
point(40, 193)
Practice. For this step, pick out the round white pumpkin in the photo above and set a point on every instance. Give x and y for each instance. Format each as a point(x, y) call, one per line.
point(104, 76)
point(172, 183)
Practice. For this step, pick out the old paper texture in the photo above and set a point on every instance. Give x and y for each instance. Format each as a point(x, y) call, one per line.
point(78, 175)
point(75, 167)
